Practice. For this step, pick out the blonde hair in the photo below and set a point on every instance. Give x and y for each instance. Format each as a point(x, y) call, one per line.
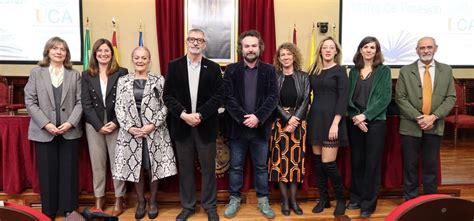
point(317, 67)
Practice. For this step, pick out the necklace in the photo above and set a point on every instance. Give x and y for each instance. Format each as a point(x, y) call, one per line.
point(366, 77)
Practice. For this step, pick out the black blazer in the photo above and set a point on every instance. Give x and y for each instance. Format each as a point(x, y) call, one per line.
point(267, 98)
point(177, 98)
point(91, 96)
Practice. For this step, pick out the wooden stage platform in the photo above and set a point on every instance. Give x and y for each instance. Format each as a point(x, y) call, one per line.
point(458, 180)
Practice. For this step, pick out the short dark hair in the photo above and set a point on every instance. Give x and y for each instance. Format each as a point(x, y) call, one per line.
point(378, 58)
point(252, 33)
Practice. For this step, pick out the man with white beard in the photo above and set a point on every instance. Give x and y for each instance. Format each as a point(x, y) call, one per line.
point(425, 94)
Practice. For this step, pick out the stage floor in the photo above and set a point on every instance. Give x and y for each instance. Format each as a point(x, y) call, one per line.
point(457, 177)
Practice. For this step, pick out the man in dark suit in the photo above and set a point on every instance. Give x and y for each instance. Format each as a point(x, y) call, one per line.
point(425, 95)
point(192, 93)
point(251, 95)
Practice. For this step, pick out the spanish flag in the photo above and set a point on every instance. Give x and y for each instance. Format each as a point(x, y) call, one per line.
point(114, 44)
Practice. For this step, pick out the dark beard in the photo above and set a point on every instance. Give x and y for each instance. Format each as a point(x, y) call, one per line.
point(250, 60)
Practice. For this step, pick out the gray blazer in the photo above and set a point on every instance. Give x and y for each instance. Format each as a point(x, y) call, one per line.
point(39, 101)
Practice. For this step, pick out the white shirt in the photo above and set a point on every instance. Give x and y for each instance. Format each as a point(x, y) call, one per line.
point(194, 71)
point(57, 75)
point(103, 89)
point(421, 70)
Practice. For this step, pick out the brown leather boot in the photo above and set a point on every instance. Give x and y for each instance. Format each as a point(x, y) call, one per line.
point(118, 206)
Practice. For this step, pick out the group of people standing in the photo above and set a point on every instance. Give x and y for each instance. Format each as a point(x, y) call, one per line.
point(267, 115)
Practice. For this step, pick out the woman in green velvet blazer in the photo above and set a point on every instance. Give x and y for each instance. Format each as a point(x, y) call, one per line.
point(370, 92)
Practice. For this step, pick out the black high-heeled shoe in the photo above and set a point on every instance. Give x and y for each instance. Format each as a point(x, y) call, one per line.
point(285, 209)
point(140, 212)
point(323, 203)
point(153, 210)
point(296, 208)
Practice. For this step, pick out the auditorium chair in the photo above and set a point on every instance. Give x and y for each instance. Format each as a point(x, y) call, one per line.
point(6, 97)
point(433, 207)
point(458, 116)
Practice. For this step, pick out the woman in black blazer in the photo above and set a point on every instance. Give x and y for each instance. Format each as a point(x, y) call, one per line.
point(99, 85)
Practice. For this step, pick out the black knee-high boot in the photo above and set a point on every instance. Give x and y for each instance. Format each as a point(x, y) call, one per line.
point(331, 170)
point(321, 183)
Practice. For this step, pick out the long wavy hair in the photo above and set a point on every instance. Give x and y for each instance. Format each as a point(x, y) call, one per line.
point(297, 58)
point(317, 67)
point(48, 46)
point(112, 67)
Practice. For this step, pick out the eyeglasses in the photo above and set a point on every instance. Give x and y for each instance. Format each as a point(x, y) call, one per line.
point(194, 40)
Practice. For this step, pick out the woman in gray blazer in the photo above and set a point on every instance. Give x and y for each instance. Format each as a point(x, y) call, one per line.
point(99, 86)
point(53, 100)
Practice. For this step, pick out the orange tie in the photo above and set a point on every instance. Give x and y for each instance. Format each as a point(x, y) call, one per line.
point(427, 91)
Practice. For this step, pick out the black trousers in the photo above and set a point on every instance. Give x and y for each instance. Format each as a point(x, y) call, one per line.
point(366, 163)
point(428, 146)
point(206, 154)
point(58, 169)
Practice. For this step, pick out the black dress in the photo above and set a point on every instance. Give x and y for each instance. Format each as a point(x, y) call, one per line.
point(330, 97)
point(138, 89)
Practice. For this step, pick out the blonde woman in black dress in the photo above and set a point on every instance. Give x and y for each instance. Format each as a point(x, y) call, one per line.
point(288, 141)
point(326, 124)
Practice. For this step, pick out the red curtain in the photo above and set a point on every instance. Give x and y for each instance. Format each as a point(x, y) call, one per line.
point(259, 15)
point(170, 31)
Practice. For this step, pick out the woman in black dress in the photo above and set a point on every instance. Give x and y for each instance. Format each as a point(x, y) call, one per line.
point(288, 140)
point(370, 95)
point(327, 128)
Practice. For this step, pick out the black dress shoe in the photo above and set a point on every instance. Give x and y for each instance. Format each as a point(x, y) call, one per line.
point(212, 215)
point(340, 208)
point(51, 216)
point(296, 208)
point(352, 205)
point(153, 210)
point(285, 209)
point(323, 203)
point(140, 212)
point(365, 214)
point(184, 214)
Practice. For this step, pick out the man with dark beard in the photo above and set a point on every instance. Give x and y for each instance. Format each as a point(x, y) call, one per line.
point(425, 95)
point(251, 95)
